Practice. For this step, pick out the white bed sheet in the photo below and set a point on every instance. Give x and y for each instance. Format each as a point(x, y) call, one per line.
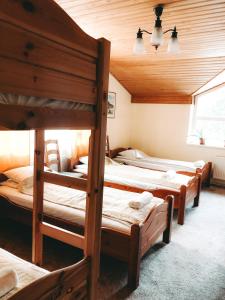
point(140, 177)
point(27, 272)
point(160, 164)
point(73, 215)
point(58, 211)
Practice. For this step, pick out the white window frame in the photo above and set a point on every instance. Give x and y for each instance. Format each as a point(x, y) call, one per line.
point(194, 118)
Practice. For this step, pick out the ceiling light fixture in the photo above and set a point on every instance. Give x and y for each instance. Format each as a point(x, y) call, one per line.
point(157, 36)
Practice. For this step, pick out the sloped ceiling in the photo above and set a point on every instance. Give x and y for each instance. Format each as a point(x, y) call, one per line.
point(157, 76)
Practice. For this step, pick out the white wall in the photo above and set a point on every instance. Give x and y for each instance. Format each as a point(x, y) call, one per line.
point(119, 129)
point(161, 130)
point(157, 129)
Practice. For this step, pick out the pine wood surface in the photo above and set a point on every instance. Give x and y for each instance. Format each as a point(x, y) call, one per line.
point(158, 77)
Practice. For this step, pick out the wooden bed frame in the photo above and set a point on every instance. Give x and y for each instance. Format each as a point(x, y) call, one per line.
point(205, 173)
point(186, 194)
point(67, 283)
point(125, 247)
point(53, 58)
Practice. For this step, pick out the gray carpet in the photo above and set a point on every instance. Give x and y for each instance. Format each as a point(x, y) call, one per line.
point(191, 267)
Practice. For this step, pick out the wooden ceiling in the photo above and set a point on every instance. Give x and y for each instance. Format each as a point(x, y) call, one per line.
point(157, 77)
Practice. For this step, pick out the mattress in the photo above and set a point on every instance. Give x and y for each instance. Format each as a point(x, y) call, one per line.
point(62, 208)
point(27, 272)
point(140, 177)
point(160, 164)
point(11, 99)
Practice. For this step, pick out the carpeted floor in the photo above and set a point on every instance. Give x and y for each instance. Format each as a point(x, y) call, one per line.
point(191, 267)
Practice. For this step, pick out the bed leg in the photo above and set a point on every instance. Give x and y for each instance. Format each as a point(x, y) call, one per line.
point(167, 232)
point(181, 209)
point(209, 174)
point(134, 258)
point(196, 200)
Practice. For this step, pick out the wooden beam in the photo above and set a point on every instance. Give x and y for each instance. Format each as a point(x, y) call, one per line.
point(17, 117)
point(62, 235)
point(33, 80)
point(30, 48)
point(163, 99)
point(38, 192)
point(96, 170)
point(67, 181)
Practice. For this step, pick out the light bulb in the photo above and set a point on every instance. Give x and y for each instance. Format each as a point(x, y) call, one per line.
point(173, 45)
point(157, 36)
point(139, 46)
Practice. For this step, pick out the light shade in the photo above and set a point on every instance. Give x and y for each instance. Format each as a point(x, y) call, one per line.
point(139, 47)
point(173, 46)
point(157, 36)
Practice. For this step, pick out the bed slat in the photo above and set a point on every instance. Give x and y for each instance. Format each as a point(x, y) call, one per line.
point(32, 80)
point(67, 181)
point(62, 235)
point(16, 117)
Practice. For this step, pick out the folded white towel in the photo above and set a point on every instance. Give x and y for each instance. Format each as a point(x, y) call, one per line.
point(8, 280)
point(170, 174)
point(199, 163)
point(141, 200)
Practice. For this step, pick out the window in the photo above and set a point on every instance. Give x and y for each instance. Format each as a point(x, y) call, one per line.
point(208, 118)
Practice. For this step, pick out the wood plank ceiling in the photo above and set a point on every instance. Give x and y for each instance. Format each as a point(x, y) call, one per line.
point(157, 77)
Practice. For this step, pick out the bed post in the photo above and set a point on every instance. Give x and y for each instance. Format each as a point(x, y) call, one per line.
point(181, 209)
point(196, 199)
point(37, 237)
point(167, 232)
point(96, 170)
point(209, 174)
point(134, 259)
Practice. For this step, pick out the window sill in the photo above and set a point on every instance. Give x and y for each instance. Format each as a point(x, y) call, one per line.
point(206, 146)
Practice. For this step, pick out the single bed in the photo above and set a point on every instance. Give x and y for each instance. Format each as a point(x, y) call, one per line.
point(138, 158)
point(35, 283)
point(184, 188)
point(127, 233)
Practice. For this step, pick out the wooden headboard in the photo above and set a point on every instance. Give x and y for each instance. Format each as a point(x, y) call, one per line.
point(114, 152)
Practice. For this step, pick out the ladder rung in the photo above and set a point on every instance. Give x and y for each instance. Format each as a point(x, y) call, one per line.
point(53, 162)
point(51, 152)
point(62, 235)
point(51, 142)
point(67, 181)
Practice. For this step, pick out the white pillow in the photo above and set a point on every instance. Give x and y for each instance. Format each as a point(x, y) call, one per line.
point(84, 160)
point(26, 185)
point(19, 174)
point(10, 183)
point(109, 161)
point(133, 154)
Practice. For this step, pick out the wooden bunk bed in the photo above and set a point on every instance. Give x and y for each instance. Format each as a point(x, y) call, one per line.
point(46, 55)
point(53, 58)
point(205, 172)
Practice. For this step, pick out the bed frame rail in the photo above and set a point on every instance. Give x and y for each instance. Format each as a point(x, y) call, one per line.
point(67, 283)
point(16, 117)
point(70, 182)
